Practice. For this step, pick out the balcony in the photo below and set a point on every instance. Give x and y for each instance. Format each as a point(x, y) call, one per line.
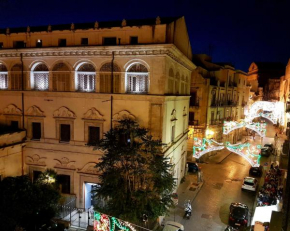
point(193, 122)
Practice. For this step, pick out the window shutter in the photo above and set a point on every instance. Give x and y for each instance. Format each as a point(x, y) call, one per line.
point(65, 132)
point(116, 83)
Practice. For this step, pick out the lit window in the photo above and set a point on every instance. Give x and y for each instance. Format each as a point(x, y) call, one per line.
point(86, 78)
point(137, 79)
point(3, 77)
point(39, 43)
point(40, 77)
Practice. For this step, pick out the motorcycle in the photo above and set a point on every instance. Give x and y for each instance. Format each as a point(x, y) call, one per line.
point(187, 210)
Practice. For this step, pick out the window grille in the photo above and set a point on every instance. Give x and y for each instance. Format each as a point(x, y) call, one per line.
point(86, 75)
point(40, 81)
point(3, 77)
point(40, 75)
point(137, 79)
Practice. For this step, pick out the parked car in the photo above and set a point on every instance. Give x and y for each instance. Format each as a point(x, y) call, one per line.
point(271, 146)
point(250, 184)
point(192, 167)
point(256, 171)
point(239, 214)
point(173, 226)
point(265, 151)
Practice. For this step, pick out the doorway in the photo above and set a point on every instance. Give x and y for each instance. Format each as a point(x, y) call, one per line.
point(89, 197)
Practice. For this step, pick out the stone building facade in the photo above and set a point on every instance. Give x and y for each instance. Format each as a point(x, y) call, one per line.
point(67, 85)
point(218, 93)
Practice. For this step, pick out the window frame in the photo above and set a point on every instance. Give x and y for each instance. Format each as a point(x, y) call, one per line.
point(68, 121)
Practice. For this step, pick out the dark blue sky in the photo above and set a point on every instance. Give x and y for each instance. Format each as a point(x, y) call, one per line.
point(238, 31)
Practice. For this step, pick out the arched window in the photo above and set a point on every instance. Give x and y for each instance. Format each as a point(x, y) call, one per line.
point(40, 77)
point(86, 75)
point(171, 82)
point(3, 77)
point(177, 82)
point(106, 76)
point(137, 79)
point(61, 77)
point(16, 77)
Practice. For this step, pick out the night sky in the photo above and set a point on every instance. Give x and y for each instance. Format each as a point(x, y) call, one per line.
point(237, 31)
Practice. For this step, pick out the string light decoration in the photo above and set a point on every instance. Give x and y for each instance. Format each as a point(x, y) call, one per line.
point(103, 222)
point(274, 111)
point(248, 151)
point(229, 126)
point(203, 146)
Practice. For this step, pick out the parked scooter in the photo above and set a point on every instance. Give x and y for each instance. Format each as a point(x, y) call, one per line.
point(230, 228)
point(187, 210)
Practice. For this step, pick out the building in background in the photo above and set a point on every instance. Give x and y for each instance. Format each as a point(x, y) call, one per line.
point(218, 93)
point(67, 85)
point(264, 78)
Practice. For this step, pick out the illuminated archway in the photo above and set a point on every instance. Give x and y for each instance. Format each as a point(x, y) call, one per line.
point(274, 111)
point(249, 152)
point(230, 126)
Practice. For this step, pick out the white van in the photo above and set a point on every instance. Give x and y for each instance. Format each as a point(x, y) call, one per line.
point(173, 226)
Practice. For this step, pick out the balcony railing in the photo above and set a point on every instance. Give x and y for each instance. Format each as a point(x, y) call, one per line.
point(193, 122)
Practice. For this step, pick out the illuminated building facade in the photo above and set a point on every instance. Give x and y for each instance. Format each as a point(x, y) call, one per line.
point(218, 93)
point(66, 85)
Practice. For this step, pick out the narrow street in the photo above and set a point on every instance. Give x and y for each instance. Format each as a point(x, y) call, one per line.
point(222, 186)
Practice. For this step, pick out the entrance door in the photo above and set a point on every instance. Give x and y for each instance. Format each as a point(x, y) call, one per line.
point(89, 196)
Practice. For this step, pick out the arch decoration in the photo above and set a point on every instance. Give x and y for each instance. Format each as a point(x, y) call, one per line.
point(230, 126)
point(274, 111)
point(248, 151)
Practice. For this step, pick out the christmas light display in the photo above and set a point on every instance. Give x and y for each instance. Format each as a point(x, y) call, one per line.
point(265, 108)
point(229, 126)
point(248, 151)
point(203, 146)
point(103, 222)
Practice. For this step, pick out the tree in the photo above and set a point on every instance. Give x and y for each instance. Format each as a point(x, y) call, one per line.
point(135, 177)
point(27, 205)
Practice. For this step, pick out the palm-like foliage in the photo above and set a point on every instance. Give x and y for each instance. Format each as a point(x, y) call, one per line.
point(135, 176)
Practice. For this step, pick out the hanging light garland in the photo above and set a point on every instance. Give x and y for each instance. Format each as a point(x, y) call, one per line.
point(103, 222)
point(230, 126)
point(248, 151)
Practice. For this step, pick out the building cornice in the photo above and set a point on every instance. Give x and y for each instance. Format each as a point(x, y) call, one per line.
point(169, 50)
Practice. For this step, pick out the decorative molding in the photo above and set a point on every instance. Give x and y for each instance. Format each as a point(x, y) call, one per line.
point(175, 54)
point(173, 115)
point(89, 168)
point(64, 112)
point(36, 160)
point(93, 114)
point(65, 163)
point(34, 111)
point(12, 109)
point(123, 115)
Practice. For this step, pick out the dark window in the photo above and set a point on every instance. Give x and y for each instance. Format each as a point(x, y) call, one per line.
point(39, 43)
point(193, 101)
point(94, 135)
point(65, 132)
point(1, 45)
point(14, 125)
point(62, 42)
point(36, 131)
point(134, 40)
point(110, 41)
point(191, 116)
point(19, 44)
point(36, 175)
point(124, 138)
point(85, 41)
point(64, 182)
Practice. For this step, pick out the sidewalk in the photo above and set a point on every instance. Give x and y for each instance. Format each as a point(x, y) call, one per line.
point(188, 190)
